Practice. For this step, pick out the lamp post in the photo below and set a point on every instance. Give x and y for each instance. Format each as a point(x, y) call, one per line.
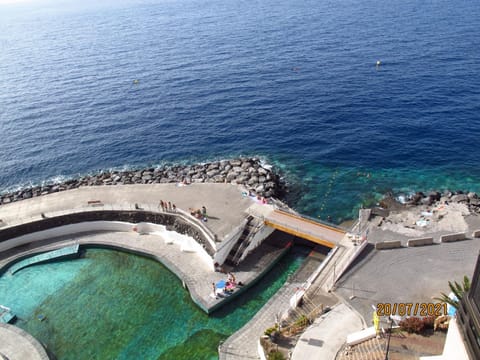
point(389, 335)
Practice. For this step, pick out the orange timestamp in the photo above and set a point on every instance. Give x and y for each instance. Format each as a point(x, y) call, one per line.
point(411, 309)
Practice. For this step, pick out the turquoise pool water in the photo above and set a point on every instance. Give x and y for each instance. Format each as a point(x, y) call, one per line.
point(114, 305)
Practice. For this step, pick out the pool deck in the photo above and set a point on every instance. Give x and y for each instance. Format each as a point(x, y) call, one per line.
point(225, 204)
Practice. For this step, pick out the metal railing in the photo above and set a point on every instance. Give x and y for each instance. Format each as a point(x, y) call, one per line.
point(238, 255)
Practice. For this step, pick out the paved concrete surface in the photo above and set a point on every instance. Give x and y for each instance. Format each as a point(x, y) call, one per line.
point(407, 275)
point(243, 344)
point(324, 338)
point(16, 344)
point(411, 275)
point(226, 207)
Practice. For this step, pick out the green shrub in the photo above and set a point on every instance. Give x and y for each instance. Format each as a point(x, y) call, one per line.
point(270, 330)
point(301, 321)
point(276, 355)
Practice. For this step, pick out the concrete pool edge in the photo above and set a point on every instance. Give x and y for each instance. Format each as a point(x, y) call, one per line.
point(19, 345)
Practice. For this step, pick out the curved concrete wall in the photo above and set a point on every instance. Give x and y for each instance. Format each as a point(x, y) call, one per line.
point(171, 221)
point(64, 230)
point(186, 243)
point(18, 344)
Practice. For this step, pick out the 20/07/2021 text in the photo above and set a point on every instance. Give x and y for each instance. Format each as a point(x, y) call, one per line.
point(411, 309)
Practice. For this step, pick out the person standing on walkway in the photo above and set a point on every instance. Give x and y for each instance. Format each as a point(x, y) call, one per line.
point(214, 290)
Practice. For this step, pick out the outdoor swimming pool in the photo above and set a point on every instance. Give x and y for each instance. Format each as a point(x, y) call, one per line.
point(115, 305)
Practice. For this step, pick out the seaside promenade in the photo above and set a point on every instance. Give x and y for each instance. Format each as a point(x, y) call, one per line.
point(224, 203)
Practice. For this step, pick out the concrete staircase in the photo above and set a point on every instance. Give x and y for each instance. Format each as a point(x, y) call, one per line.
point(235, 255)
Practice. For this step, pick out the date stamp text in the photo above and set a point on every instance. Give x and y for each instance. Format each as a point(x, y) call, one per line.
point(411, 309)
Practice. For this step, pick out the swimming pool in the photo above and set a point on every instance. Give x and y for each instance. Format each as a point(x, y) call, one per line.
point(116, 305)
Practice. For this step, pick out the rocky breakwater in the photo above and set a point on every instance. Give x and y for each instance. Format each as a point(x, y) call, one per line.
point(248, 172)
point(434, 198)
point(424, 215)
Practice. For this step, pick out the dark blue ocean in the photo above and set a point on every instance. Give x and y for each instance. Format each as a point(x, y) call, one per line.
point(92, 85)
point(294, 82)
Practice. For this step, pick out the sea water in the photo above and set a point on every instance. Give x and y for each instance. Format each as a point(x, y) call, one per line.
point(89, 85)
point(114, 305)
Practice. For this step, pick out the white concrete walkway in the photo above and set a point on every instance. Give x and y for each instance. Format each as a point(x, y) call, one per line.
point(324, 338)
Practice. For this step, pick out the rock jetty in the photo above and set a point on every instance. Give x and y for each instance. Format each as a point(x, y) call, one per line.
point(257, 178)
point(432, 198)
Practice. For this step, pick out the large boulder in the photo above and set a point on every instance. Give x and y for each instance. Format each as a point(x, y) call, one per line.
point(460, 198)
point(212, 173)
point(262, 171)
point(260, 189)
point(253, 180)
point(213, 166)
point(428, 201)
point(242, 179)
point(232, 175)
point(434, 195)
point(416, 198)
point(472, 195)
point(246, 165)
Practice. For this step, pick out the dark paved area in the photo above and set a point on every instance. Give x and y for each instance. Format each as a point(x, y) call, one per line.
point(407, 274)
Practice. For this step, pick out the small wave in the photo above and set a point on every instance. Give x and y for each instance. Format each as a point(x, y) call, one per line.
point(401, 199)
point(57, 179)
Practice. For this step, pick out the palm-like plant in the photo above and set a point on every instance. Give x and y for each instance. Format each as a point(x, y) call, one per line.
point(458, 290)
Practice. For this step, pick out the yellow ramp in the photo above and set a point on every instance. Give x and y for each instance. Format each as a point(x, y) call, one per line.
point(305, 228)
